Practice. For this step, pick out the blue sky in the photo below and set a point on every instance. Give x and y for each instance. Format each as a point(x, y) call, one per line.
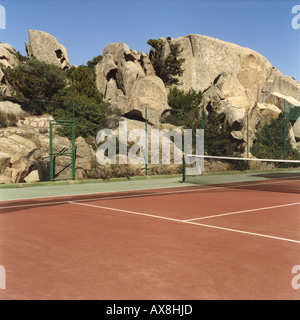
point(86, 27)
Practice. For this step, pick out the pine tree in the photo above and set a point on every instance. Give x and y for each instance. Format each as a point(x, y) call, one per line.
point(170, 67)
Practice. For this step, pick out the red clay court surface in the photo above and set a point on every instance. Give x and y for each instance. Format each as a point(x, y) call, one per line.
point(189, 243)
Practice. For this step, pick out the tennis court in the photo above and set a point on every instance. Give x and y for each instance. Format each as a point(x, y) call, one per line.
point(163, 240)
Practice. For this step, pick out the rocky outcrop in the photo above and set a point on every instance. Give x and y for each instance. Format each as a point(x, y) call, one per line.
point(235, 81)
point(8, 58)
point(206, 58)
point(8, 55)
point(9, 107)
point(85, 157)
point(126, 79)
point(45, 48)
point(35, 122)
point(24, 154)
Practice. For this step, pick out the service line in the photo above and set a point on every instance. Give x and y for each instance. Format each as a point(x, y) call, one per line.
point(187, 222)
point(244, 211)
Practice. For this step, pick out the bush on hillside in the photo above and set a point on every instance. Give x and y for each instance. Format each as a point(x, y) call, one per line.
point(269, 141)
point(8, 120)
point(44, 88)
point(184, 108)
point(91, 112)
point(185, 112)
point(35, 84)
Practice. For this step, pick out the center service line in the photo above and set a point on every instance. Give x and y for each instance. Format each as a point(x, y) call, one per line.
point(187, 222)
point(244, 211)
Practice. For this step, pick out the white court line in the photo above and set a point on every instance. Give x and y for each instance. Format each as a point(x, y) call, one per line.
point(126, 211)
point(188, 222)
point(244, 211)
point(207, 188)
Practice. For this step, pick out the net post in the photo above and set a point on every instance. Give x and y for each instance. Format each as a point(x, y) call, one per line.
point(146, 141)
point(183, 168)
point(248, 139)
point(51, 150)
point(247, 135)
point(284, 132)
point(73, 145)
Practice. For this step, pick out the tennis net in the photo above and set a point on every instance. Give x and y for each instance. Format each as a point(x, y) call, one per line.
point(251, 173)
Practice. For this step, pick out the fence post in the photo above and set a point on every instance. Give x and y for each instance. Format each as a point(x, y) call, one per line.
point(284, 133)
point(73, 146)
point(51, 151)
point(146, 138)
point(183, 168)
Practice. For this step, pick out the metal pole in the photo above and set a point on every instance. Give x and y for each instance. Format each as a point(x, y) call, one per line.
point(284, 130)
point(247, 135)
point(146, 138)
point(51, 151)
point(183, 168)
point(248, 140)
point(73, 145)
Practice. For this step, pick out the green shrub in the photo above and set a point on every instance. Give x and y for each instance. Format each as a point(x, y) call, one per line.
point(35, 84)
point(91, 112)
point(184, 108)
point(108, 171)
point(218, 141)
point(44, 88)
point(12, 120)
point(269, 141)
point(92, 64)
point(3, 120)
point(185, 112)
point(8, 120)
point(21, 57)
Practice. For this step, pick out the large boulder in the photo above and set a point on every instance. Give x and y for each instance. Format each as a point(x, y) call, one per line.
point(8, 55)
point(32, 177)
point(22, 153)
point(25, 149)
point(9, 107)
point(45, 48)
point(8, 58)
point(5, 170)
point(126, 79)
point(235, 81)
point(282, 86)
point(206, 58)
point(85, 156)
point(4, 161)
